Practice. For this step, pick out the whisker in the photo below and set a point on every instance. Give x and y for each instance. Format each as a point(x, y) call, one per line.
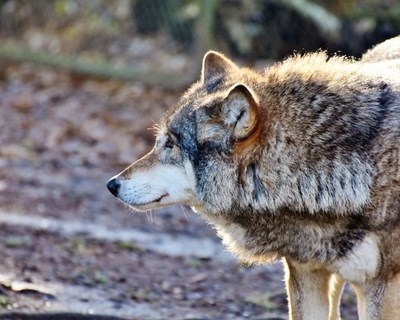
point(155, 128)
point(131, 210)
point(184, 213)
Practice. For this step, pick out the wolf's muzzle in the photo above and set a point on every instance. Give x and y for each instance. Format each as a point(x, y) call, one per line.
point(113, 185)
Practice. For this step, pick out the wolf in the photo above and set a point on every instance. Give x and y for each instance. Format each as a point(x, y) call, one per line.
point(299, 162)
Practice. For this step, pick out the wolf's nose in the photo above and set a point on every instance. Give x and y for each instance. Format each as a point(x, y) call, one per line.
point(113, 186)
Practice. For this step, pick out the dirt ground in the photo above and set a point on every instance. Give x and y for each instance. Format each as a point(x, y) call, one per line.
point(70, 249)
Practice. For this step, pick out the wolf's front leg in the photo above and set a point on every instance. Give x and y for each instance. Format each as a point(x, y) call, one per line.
point(308, 291)
point(336, 286)
point(379, 299)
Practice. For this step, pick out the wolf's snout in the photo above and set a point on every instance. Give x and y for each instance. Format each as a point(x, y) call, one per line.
point(113, 185)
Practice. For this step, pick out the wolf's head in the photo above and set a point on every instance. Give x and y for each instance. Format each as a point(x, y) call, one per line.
point(200, 144)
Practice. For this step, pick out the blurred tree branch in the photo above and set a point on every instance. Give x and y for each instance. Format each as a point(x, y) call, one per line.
point(205, 27)
point(204, 41)
point(74, 65)
point(325, 20)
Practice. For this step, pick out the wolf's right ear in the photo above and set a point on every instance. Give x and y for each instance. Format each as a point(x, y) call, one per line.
point(241, 111)
point(215, 66)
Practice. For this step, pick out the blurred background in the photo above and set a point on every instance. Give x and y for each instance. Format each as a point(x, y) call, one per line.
point(81, 83)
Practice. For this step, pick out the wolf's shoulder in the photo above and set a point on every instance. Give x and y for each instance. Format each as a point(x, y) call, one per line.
point(387, 50)
point(312, 63)
point(333, 71)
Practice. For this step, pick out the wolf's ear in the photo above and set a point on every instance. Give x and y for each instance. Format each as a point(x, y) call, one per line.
point(240, 110)
point(215, 66)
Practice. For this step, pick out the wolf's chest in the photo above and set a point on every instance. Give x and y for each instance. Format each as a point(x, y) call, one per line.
point(247, 246)
point(309, 245)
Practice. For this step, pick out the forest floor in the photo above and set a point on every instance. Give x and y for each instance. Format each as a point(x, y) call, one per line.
point(70, 249)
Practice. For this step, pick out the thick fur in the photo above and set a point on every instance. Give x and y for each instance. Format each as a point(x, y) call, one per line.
point(300, 162)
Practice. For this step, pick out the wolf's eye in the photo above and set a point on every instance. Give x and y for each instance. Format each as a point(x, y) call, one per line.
point(169, 144)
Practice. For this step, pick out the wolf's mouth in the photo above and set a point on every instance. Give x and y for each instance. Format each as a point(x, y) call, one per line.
point(160, 198)
point(144, 204)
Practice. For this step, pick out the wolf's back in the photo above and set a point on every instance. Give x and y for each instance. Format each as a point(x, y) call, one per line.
point(387, 50)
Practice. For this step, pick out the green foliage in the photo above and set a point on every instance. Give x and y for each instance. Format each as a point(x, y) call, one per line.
point(79, 245)
point(60, 7)
point(195, 263)
point(5, 302)
point(100, 277)
point(129, 245)
point(18, 241)
point(263, 300)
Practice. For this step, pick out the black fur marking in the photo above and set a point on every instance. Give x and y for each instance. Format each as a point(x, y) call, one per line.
point(385, 99)
point(213, 84)
point(313, 99)
point(184, 129)
point(240, 116)
point(343, 182)
point(353, 181)
point(258, 187)
point(344, 241)
point(351, 130)
point(385, 96)
point(318, 196)
point(367, 133)
point(300, 191)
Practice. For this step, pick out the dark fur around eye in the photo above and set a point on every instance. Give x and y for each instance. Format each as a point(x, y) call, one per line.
point(169, 144)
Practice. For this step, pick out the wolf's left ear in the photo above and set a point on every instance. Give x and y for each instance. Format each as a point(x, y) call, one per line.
point(240, 109)
point(215, 66)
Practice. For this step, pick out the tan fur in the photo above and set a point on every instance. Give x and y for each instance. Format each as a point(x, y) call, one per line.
point(336, 286)
point(300, 162)
point(392, 297)
point(308, 291)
